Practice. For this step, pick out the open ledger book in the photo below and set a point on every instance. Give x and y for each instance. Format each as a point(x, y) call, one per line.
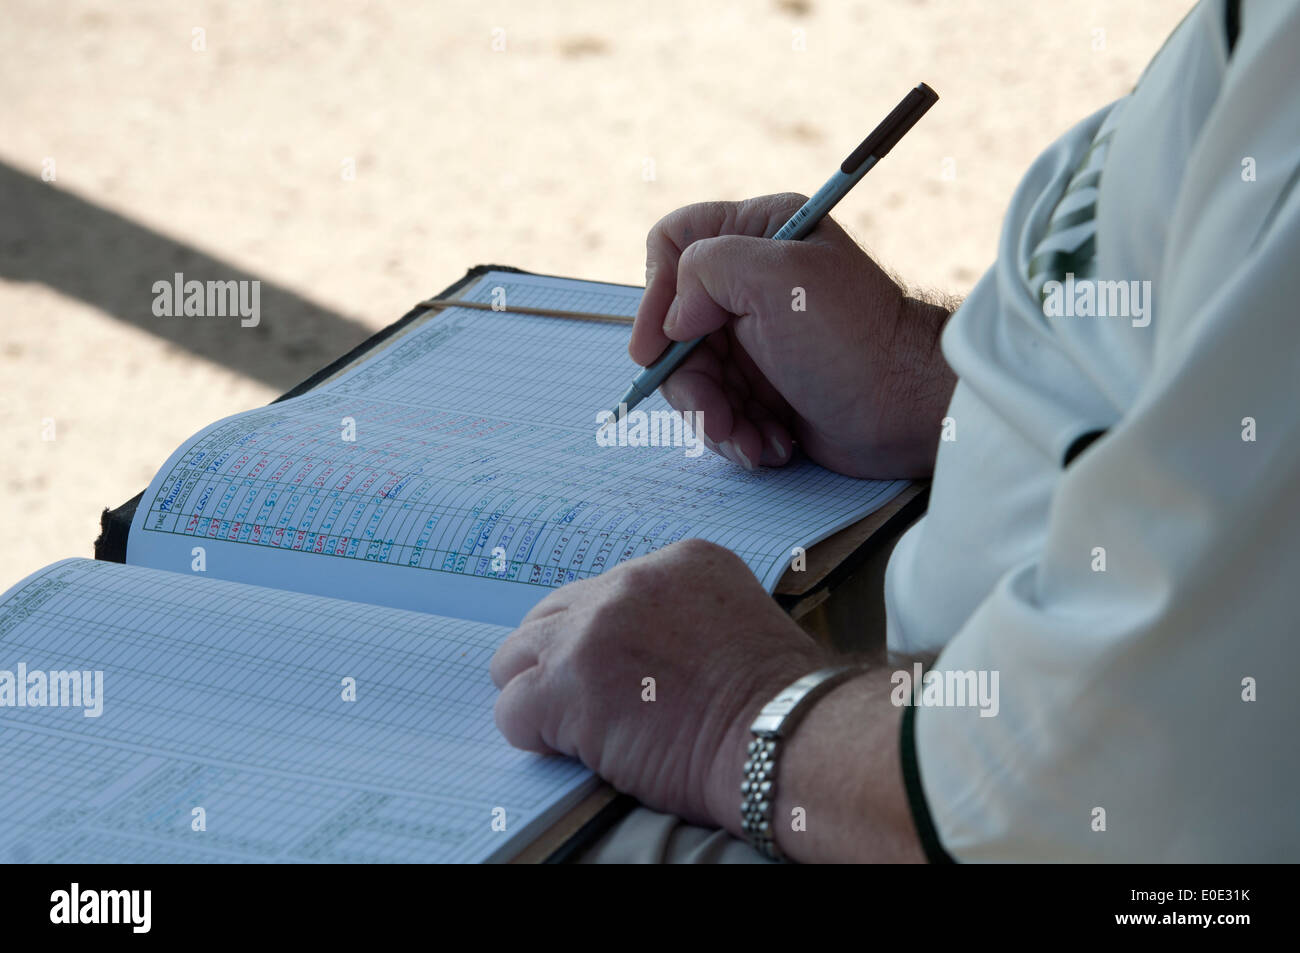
point(295, 656)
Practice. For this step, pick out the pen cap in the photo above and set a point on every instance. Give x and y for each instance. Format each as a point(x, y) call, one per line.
point(895, 125)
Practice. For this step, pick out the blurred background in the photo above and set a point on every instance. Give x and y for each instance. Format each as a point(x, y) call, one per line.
point(357, 157)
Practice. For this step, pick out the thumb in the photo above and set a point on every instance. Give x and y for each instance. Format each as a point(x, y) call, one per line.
point(725, 276)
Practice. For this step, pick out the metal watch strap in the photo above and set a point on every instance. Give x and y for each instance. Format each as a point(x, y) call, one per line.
point(772, 726)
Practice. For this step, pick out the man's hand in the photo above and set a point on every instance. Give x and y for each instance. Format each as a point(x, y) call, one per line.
point(856, 378)
point(693, 618)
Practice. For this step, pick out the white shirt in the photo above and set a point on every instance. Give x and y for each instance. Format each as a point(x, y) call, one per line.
point(1124, 688)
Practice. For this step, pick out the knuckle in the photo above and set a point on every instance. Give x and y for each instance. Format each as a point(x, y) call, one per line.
point(690, 223)
point(631, 578)
point(698, 548)
point(716, 212)
point(709, 557)
point(690, 260)
point(778, 205)
point(791, 200)
point(641, 582)
point(584, 656)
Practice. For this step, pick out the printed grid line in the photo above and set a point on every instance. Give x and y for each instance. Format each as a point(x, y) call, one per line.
point(475, 435)
point(228, 696)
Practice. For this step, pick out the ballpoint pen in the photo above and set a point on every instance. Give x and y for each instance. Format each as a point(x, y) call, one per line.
point(872, 149)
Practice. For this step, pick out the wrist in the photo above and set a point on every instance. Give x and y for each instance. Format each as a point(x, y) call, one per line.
point(841, 777)
point(911, 425)
point(723, 796)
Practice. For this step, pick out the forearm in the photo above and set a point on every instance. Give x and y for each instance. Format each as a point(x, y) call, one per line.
point(839, 785)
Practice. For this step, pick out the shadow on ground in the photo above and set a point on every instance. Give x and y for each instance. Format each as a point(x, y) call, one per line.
point(57, 239)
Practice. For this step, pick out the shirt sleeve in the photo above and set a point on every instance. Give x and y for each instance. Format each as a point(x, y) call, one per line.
point(1144, 657)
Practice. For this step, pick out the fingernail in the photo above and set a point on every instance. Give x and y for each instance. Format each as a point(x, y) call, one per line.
point(671, 317)
point(777, 447)
point(733, 453)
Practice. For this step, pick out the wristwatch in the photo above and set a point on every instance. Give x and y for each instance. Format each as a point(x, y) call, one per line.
point(774, 725)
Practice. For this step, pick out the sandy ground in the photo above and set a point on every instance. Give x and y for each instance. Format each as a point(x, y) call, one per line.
point(231, 161)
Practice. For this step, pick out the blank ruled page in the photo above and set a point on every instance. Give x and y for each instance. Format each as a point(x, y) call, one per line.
point(230, 699)
point(457, 471)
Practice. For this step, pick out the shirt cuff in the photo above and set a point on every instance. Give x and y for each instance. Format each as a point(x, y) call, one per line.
point(934, 851)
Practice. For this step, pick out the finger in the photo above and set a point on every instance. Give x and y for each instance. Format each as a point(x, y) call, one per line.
point(745, 445)
point(727, 432)
point(518, 652)
point(697, 386)
point(664, 245)
point(750, 280)
point(520, 711)
point(711, 286)
point(729, 428)
point(671, 235)
point(777, 442)
point(758, 281)
point(766, 408)
point(555, 601)
point(761, 389)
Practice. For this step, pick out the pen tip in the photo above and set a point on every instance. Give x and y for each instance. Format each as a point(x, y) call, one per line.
point(625, 403)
